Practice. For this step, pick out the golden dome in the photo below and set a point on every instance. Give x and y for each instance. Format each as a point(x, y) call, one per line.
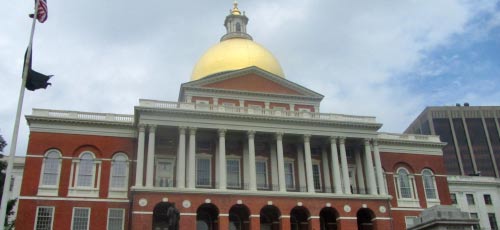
point(234, 54)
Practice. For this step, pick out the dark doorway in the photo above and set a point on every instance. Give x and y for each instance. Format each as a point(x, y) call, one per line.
point(239, 216)
point(165, 217)
point(299, 218)
point(365, 217)
point(207, 217)
point(328, 218)
point(270, 218)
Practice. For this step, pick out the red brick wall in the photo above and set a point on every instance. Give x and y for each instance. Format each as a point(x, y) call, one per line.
point(253, 83)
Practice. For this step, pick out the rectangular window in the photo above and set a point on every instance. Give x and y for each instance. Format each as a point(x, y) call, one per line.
point(410, 220)
point(203, 172)
point(86, 173)
point(115, 218)
point(487, 199)
point(233, 173)
point(165, 173)
point(119, 170)
point(44, 217)
point(50, 171)
point(289, 175)
point(316, 177)
point(493, 221)
point(470, 199)
point(453, 198)
point(261, 169)
point(474, 215)
point(81, 218)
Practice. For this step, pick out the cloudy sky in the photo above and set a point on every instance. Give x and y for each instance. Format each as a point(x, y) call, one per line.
point(385, 58)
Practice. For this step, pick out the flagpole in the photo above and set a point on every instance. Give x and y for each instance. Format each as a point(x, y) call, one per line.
point(15, 132)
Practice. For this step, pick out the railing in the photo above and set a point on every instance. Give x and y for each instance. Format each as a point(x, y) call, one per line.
point(255, 111)
point(412, 137)
point(83, 115)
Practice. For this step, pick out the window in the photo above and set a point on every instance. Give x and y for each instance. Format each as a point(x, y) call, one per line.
point(410, 220)
point(203, 172)
point(44, 218)
point(470, 199)
point(238, 27)
point(493, 221)
point(289, 175)
point(316, 177)
point(404, 184)
point(228, 107)
point(80, 219)
point(453, 198)
point(233, 173)
point(255, 109)
point(202, 104)
point(261, 169)
point(51, 167)
point(115, 218)
point(474, 215)
point(85, 183)
point(119, 172)
point(86, 170)
point(487, 199)
point(165, 172)
point(429, 184)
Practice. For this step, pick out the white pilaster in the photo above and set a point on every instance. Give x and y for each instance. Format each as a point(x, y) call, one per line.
point(181, 159)
point(337, 183)
point(301, 169)
point(360, 179)
point(151, 156)
point(191, 170)
point(222, 158)
point(326, 169)
point(246, 163)
point(139, 171)
point(281, 162)
point(251, 159)
point(309, 169)
point(378, 169)
point(274, 167)
point(369, 170)
point(345, 169)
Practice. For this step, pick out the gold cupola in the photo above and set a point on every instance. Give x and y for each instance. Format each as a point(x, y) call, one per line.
point(236, 50)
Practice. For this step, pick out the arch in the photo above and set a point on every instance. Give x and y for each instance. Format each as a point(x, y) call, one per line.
point(270, 218)
point(404, 183)
point(87, 148)
point(86, 170)
point(405, 165)
point(165, 216)
point(299, 218)
point(328, 218)
point(239, 215)
point(429, 184)
point(51, 168)
point(207, 217)
point(365, 217)
point(119, 171)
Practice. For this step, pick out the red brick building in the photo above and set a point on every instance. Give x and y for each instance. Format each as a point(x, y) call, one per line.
point(242, 148)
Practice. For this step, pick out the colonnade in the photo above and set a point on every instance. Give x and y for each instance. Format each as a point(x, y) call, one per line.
point(186, 176)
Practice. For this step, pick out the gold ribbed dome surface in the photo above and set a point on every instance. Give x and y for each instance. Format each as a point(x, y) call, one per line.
point(234, 54)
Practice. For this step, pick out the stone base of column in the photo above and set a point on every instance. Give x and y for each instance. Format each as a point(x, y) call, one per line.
point(347, 224)
point(255, 223)
point(223, 222)
point(382, 224)
point(187, 222)
point(285, 223)
point(314, 224)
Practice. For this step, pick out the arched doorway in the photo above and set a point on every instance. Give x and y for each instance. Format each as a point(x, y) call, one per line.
point(239, 217)
point(365, 217)
point(270, 218)
point(299, 218)
point(328, 218)
point(165, 216)
point(206, 217)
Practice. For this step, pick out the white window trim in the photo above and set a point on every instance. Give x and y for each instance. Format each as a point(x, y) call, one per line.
point(263, 160)
point(166, 159)
point(49, 190)
point(73, 217)
point(123, 217)
point(238, 158)
point(406, 202)
point(204, 156)
point(291, 161)
point(430, 201)
point(52, 217)
point(318, 163)
point(85, 191)
point(119, 192)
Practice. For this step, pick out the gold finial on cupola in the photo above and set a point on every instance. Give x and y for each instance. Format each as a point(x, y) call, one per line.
point(235, 10)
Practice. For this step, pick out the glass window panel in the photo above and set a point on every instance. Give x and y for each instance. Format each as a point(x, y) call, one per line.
point(203, 172)
point(261, 169)
point(443, 129)
point(86, 170)
point(463, 145)
point(487, 199)
point(470, 199)
point(493, 221)
point(51, 169)
point(44, 218)
point(480, 147)
point(119, 170)
point(80, 218)
point(233, 173)
point(165, 173)
point(430, 189)
point(494, 139)
point(453, 198)
point(404, 184)
point(289, 177)
point(115, 219)
point(316, 177)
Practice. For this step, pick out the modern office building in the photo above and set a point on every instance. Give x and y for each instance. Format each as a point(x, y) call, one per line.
point(472, 156)
point(241, 148)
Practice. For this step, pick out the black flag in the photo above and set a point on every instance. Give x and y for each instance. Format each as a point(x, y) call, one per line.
point(35, 80)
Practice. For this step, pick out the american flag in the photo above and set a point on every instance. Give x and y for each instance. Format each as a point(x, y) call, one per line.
point(43, 12)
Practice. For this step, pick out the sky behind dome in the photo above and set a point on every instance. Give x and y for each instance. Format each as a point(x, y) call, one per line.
point(388, 59)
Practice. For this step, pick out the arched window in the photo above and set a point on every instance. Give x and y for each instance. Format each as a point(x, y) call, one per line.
point(429, 184)
point(85, 175)
point(238, 27)
point(119, 171)
point(86, 170)
point(405, 185)
point(51, 168)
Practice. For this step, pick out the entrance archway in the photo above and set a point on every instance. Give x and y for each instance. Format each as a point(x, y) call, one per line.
point(328, 218)
point(365, 217)
point(165, 216)
point(206, 217)
point(299, 218)
point(270, 218)
point(239, 217)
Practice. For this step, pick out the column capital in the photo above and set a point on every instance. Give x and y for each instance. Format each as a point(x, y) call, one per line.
point(375, 142)
point(182, 129)
point(333, 139)
point(192, 130)
point(307, 137)
point(221, 132)
point(366, 141)
point(341, 140)
point(142, 127)
point(251, 133)
point(279, 136)
point(152, 128)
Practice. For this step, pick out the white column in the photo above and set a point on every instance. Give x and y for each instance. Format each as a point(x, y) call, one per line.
point(378, 169)
point(181, 159)
point(139, 171)
point(369, 170)
point(337, 183)
point(191, 170)
point(222, 158)
point(326, 169)
point(309, 166)
point(281, 162)
point(246, 164)
point(301, 169)
point(251, 159)
point(345, 169)
point(360, 179)
point(151, 156)
point(274, 168)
